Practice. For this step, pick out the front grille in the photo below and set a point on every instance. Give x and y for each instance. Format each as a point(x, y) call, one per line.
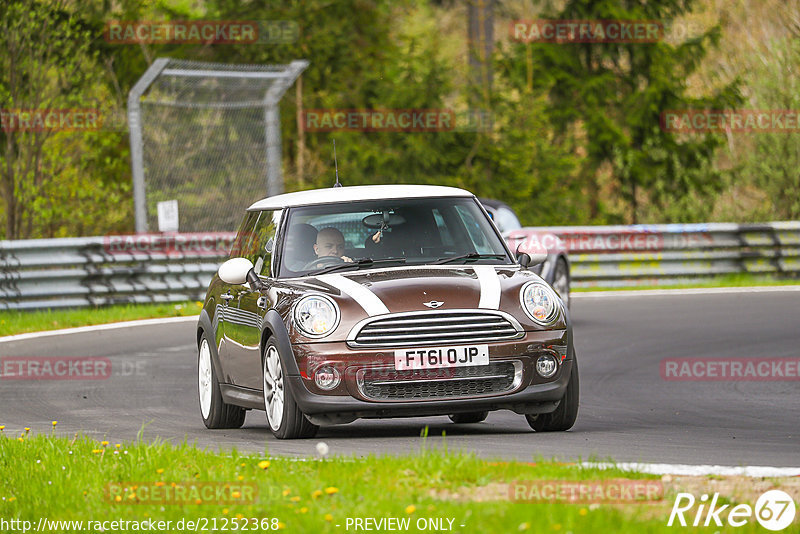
point(436, 328)
point(390, 385)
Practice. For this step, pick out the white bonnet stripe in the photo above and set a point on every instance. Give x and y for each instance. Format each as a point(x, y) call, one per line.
point(490, 286)
point(362, 295)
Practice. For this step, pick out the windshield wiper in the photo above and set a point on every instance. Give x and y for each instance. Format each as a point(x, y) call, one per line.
point(470, 256)
point(362, 262)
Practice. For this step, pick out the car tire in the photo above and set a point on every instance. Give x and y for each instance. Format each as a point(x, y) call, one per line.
point(466, 418)
point(216, 412)
point(561, 281)
point(284, 417)
point(564, 416)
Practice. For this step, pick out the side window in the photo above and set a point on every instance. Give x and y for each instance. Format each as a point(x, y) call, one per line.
point(245, 235)
point(262, 243)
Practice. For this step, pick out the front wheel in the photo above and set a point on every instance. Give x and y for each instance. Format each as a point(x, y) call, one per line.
point(215, 411)
point(564, 416)
point(285, 419)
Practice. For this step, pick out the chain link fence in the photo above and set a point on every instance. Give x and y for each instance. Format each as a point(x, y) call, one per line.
point(206, 135)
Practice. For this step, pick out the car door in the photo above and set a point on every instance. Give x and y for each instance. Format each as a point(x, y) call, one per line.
point(228, 296)
point(245, 314)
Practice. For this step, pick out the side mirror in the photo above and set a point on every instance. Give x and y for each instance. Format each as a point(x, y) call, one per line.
point(237, 271)
point(530, 254)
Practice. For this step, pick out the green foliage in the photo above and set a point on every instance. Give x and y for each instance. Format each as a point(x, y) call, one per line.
point(774, 159)
point(56, 183)
point(609, 97)
point(574, 137)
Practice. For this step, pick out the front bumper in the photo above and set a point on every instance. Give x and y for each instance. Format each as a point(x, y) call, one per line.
point(530, 394)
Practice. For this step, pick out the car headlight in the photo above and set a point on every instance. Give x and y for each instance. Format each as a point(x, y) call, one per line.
point(316, 316)
point(540, 302)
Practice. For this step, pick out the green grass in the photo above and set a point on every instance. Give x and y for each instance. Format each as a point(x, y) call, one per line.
point(62, 479)
point(728, 280)
point(18, 322)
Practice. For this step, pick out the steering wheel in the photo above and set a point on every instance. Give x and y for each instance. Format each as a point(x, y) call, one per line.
point(323, 261)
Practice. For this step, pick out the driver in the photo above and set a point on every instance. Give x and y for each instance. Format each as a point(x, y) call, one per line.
point(330, 242)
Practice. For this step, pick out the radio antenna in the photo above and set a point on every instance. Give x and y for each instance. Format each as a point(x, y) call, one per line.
point(336, 165)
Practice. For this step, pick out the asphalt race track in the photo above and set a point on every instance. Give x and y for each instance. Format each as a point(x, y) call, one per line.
point(628, 412)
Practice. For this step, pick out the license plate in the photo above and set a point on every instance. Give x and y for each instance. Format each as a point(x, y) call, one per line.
point(437, 357)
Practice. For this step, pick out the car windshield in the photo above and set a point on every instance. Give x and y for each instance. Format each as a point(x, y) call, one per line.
point(357, 235)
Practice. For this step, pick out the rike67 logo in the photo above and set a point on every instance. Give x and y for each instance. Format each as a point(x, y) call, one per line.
point(774, 510)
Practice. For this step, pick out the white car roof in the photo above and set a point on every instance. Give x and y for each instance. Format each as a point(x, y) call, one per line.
point(356, 193)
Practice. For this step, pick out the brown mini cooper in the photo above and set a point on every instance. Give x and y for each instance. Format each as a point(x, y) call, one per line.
point(381, 301)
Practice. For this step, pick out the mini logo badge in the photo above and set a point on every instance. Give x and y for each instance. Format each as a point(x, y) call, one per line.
point(433, 304)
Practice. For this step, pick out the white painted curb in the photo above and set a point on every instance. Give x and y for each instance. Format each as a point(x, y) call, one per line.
point(700, 470)
point(99, 328)
point(679, 292)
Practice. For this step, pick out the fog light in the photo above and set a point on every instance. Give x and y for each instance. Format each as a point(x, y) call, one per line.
point(326, 377)
point(546, 365)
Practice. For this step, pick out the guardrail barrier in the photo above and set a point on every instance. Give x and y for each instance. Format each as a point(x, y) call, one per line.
point(92, 271)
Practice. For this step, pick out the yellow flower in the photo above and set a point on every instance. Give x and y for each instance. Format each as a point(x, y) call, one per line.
point(281, 525)
point(328, 517)
point(118, 445)
point(236, 495)
point(27, 429)
point(104, 443)
point(583, 511)
point(239, 516)
point(286, 492)
point(410, 509)
point(21, 440)
point(198, 501)
point(96, 451)
point(240, 477)
point(2, 427)
point(159, 471)
point(132, 496)
point(295, 499)
point(224, 511)
point(316, 493)
point(12, 499)
point(242, 464)
point(557, 526)
point(118, 498)
point(55, 423)
point(331, 490)
point(303, 510)
point(263, 464)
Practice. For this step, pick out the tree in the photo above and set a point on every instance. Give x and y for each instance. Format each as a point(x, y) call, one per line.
point(611, 96)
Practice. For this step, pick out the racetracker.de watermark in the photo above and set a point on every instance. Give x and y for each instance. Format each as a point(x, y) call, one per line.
point(68, 368)
point(50, 119)
point(54, 368)
point(614, 491)
point(379, 120)
point(202, 32)
point(730, 121)
point(586, 31)
point(182, 493)
point(175, 244)
point(730, 369)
